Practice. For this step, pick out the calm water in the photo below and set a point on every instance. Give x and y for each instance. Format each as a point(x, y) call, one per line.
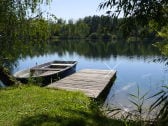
point(134, 64)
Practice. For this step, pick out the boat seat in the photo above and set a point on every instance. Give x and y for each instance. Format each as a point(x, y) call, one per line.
point(45, 69)
point(47, 73)
point(57, 64)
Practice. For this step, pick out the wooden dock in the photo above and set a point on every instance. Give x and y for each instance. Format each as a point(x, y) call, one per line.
point(94, 83)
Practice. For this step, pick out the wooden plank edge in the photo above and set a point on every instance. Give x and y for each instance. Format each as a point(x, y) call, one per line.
point(103, 94)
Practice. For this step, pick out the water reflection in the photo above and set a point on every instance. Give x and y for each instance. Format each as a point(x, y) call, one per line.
point(89, 49)
point(133, 62)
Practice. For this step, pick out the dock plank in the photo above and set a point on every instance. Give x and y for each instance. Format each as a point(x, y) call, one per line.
point(91, 82)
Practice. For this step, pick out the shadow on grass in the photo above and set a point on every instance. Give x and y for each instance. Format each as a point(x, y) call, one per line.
point(44, 119)
point(78, 118)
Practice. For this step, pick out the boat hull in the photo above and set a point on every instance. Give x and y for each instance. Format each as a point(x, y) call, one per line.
point(42, 80)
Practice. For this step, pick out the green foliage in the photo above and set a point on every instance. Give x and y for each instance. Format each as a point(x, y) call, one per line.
point(150, 13)
point(162, 104)
point(165, 50)
point(164, 32)
point(143, 10)
point(39, 30)
point(6, 78)
point(106, 36)
point(102, 26)
point(34, 106)
point(94, 36)
point(133, 39)
point(163, 46)
point(82, 29)
point(16, 24)
point(70, 30)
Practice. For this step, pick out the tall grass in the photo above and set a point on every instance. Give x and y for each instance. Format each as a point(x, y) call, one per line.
point(155, 115)
point(162, 104)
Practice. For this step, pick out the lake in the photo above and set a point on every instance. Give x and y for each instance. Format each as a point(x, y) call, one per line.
point(137, 64)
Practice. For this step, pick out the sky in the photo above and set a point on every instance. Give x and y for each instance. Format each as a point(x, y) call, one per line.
point(74, 9)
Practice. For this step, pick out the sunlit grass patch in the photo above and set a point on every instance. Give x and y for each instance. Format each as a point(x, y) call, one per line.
point(31, 105)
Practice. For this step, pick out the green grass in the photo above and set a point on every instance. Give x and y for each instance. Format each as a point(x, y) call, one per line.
point(36, 106)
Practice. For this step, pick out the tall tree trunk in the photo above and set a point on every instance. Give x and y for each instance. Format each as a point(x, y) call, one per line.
point(6, 78)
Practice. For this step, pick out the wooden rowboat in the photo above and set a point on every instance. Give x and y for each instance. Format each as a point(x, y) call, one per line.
point(47, 71)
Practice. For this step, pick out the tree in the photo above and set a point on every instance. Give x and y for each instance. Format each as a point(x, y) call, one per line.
point(155, 14)
point(83, 29)
point(143, 10)
point(16, 14)
point(15, 24)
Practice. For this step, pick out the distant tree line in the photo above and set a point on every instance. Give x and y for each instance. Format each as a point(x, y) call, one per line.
point(100, 27)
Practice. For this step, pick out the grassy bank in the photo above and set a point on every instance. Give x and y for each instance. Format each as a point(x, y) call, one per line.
point(31, 105)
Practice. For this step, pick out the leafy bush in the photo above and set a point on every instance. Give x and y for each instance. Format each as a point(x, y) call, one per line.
point(94, 36)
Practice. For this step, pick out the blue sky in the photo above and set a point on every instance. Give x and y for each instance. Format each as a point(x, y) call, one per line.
point(74, 9)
